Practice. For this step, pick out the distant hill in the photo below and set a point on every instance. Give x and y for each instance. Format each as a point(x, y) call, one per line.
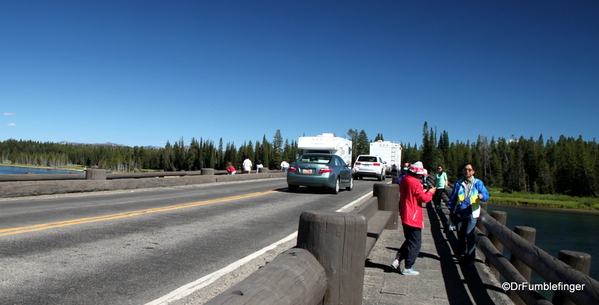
point(105, 144)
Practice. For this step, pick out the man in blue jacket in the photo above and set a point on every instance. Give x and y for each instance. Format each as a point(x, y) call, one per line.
point(464, 210)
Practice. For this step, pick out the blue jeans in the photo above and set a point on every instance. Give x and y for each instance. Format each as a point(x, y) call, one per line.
point(466, 239)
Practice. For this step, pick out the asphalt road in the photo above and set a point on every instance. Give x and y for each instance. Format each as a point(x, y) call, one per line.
point(132, 247)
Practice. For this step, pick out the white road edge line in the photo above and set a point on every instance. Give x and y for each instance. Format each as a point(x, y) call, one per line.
point(204, 281)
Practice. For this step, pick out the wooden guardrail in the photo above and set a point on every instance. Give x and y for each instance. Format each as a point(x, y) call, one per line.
point(327, 265)
point(569, 284)
point(569, 273)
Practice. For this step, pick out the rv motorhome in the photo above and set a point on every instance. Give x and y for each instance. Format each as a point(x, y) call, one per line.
point(327, 143)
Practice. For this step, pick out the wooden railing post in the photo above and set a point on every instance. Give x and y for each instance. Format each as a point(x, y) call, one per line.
point(578, 260)
point(208, 171)
point(501, 217)
point(95, 174)
point(479, 225)
point(529, 234)
point(337, 241)
point(388, 200)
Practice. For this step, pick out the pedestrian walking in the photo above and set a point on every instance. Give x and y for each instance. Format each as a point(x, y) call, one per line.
point(440, 183)
point(247, 165)
point(464, 210)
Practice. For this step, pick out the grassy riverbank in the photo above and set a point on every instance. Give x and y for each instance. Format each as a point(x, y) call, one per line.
point(70, 167)
point(538, 200)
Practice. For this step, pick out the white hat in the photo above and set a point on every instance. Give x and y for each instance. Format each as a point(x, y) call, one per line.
point(418, 169)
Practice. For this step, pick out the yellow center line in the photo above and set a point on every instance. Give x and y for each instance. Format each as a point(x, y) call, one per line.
point(45, 226)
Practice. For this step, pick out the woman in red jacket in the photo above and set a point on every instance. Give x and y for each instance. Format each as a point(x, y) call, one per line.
point(411, 197)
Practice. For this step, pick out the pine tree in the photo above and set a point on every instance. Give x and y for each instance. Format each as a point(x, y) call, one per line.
point(277, 149)
point(429, 154)
point(167, 157)
point(193, 155)
point(363, 145)
point(353, 136)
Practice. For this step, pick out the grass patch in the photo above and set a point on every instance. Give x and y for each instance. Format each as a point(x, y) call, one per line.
point(543, 200)
point(74, 167)
point(70, 167)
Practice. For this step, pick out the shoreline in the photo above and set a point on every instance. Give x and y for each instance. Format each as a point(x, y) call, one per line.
point(534, 206)
point(43, 167)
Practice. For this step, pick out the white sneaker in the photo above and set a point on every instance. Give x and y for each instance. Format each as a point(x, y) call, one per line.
point(395, 264)
point(410, 271)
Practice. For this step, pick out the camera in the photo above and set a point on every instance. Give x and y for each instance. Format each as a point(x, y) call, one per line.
point(425, 185)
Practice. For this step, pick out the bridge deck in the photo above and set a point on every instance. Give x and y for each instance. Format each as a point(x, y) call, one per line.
point(441, 281)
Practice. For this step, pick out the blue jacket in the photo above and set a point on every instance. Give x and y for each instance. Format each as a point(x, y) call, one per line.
point(458, 196)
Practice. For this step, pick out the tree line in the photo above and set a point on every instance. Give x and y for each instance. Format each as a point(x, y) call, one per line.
point(566, 166)
point(173, 157)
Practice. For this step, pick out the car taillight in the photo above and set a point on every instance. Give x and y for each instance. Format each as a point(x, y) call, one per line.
point(358, 163)
point(377, 164)
point(325, 170)
point(292, 169)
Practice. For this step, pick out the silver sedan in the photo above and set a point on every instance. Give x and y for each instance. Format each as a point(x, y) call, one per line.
point(320, 170)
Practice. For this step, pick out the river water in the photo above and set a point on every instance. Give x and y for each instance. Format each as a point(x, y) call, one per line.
point(558, 229)
point(23, 170)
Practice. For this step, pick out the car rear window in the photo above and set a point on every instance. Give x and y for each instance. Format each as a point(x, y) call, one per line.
point(315, 159)
point(367, 159)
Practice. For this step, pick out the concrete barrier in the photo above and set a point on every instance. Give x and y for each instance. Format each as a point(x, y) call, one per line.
point(10, 189)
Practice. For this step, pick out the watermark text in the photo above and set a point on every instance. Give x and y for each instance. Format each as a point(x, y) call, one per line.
point(542, 286)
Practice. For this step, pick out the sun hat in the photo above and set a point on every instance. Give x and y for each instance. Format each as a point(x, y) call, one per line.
point(418, 169)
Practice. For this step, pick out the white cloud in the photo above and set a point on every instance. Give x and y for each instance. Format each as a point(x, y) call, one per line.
point(8, 113)
point(11, 124)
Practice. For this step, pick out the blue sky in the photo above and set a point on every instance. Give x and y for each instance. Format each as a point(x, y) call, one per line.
point(143, 72)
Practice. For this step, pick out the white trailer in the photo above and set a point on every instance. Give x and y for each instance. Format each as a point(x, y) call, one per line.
point(389, 152)
point(327, 143)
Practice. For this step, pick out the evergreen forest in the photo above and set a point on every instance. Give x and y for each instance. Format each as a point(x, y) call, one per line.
point(567, 166)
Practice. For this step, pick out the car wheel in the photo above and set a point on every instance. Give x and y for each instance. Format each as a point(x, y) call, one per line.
point(293, 188)
point(351, 184)
point(335, 190)
point(379, 177)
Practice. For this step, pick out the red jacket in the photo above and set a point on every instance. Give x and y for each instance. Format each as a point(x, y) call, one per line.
point(411, 197)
